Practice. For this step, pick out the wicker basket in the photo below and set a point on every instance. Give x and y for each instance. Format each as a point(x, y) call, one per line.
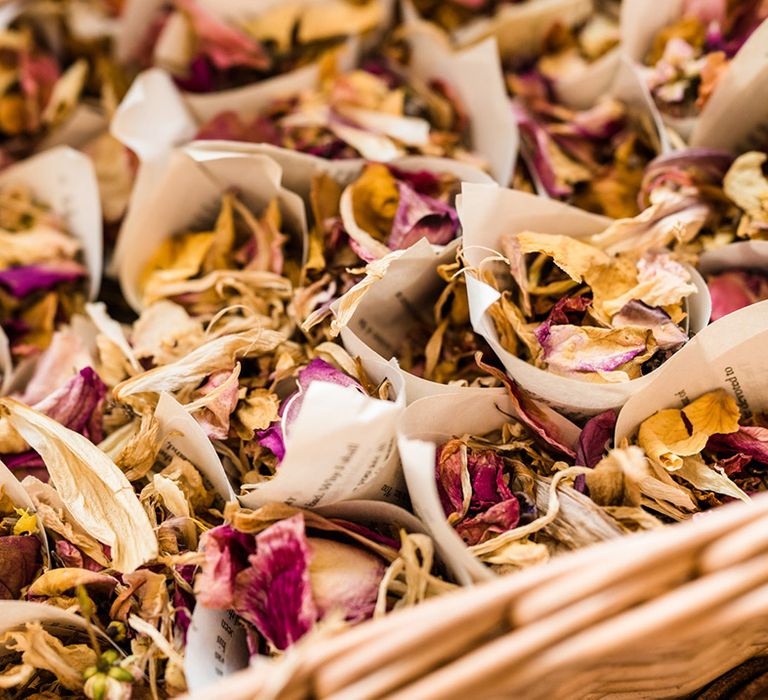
point(655, 615)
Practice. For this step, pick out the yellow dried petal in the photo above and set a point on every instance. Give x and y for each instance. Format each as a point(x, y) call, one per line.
point(56, 582)
point(339, 18)
point(26, 524)
point(666, 437)
point(375, 199)
point(571, 255)
point(219, 255)
point(256, 412)
point(177, 258)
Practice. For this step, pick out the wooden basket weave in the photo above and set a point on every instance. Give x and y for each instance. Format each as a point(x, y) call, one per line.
point(653, 615)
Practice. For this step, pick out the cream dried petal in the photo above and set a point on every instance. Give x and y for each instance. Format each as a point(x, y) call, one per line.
point(56, 582)
point(705, 478)
point(173, 497)
point(571, 255)
point(39, 244)
point(95, 491)
point(215, 355)
point(745, 184)
point(42, 650)
point(66, 92)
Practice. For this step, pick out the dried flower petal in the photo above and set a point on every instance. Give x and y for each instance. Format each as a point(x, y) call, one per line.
point(95, 491)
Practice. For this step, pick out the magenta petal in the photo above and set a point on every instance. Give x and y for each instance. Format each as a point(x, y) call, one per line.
point(535, 147)
point(78, 404)
point(559, 315)
point(747, 440)
point(419, 216)
point(486, 473)
point(595, 438)
point(668, 335)
point(316, 371)
point(226, 555)
point(272, 439)
point(734, 289)
point(734, 465)
point(200, 78)
point(225, 46)
point(275, 593)
point(19, 561)
point(423, 181)
point(20, 281)
point(448, 479)
point(183, 600)
point(69, 554)
point(497, 519)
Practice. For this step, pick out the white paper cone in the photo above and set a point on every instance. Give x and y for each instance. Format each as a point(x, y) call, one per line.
point(519, 28)
point(748, 255)
point(732, 118)
point(64, 180)
point(187, 194)
point(486, 214)
point(340, 447)
point(181, 435)
point(492, 125)
point(403, 298)
point(216, 647)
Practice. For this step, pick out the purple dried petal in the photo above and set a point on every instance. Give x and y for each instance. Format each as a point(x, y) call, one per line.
point(368, 533)
point(536, 149)
point(228, 126)
point(497, 519)
point(600, 122)
point(691, 166)
point(595, 437)
point(226, 555)
point(21, 281)
point(559, 315)
point(747, 440)
point(734, 465)
point(486, 474)
point(272, 439)
point(448, 468)
point(530, 413)
point(668, 335)
point(316, 371)
point(183, 600)
point(423, 181)
point(568, 349)
point(274, 594)
point(78, 405)
point(200, 77)
point(20, 560)
point(419, 216)
point(734, 289)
